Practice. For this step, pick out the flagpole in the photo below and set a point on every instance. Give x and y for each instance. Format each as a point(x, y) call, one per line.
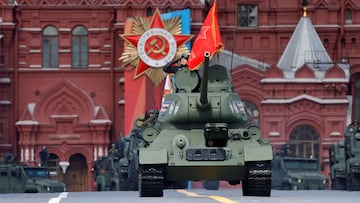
point(234, 34)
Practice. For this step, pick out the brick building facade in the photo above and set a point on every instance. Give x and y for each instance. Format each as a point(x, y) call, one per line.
point(62, 85)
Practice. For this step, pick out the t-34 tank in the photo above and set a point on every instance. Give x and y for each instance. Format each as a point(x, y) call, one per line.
point(204, 136)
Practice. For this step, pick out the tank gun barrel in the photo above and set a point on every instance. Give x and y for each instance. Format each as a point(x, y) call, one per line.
point(204, 82)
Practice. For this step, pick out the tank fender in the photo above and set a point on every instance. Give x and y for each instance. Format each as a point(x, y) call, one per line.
point(258, 153)
point(152, 156)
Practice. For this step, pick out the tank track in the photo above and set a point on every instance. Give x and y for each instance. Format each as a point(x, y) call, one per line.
point(151, 180)
point(258, 179)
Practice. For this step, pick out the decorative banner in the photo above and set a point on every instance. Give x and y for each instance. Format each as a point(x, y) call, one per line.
point(141, 93)
point(152, 44)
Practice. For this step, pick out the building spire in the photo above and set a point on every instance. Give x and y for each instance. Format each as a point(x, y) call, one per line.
point(304, 5)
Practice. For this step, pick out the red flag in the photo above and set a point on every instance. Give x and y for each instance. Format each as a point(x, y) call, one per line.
point(208, 39)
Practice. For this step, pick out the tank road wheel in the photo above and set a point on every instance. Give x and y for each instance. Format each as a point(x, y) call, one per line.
point(257, 181)
point(151, 180)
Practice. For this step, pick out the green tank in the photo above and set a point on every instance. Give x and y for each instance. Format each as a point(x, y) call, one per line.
point(352, 156)
point(204, 136)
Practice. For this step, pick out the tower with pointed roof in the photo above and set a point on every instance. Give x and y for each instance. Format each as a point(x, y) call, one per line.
point(306, 103)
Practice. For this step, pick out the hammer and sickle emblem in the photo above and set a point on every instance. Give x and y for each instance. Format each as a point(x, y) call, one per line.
point(155, 48)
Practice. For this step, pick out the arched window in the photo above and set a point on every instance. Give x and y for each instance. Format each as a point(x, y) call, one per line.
point(168, 9)
point(79, 47)
point(348, 16)
point(253, 113)
point(356, 107)
point(304, 142)
point(149, 11)
point(50, 47)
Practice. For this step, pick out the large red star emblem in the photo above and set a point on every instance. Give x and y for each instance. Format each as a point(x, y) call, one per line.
point(156, 45)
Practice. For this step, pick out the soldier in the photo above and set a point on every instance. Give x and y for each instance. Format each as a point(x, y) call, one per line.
point(174, 66)
point(44, 155)
point(112, 150)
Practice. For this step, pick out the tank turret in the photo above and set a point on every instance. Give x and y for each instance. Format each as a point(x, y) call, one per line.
point(216, 101)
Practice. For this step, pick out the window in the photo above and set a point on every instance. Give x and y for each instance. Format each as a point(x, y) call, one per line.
point(50, 47)
point(79, 47)
point(247, 15)
point(356, 107)
point(304, 142)
point(168, 9)
point(149, 11)
point(348, 16)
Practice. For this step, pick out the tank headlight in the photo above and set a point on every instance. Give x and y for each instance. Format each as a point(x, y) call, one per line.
point(236, 136)
point(180, 141)
point(296, 180)
point(246, 135)
point(47, 188)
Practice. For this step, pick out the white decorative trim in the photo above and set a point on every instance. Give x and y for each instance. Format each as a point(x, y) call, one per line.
point(335, 133)
point(65, 66)
point(30, 29)
point(65, 51)
point(27, 122)
point(64, 30)
point(121, 101)
point(94, 65)
point(98, 29)
point(5, 102)
point(304, 80)
point(36, 66)
point(305, 96)
point(274, 134)
point(5, 80)
point(99, 121)
point(35, 51)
